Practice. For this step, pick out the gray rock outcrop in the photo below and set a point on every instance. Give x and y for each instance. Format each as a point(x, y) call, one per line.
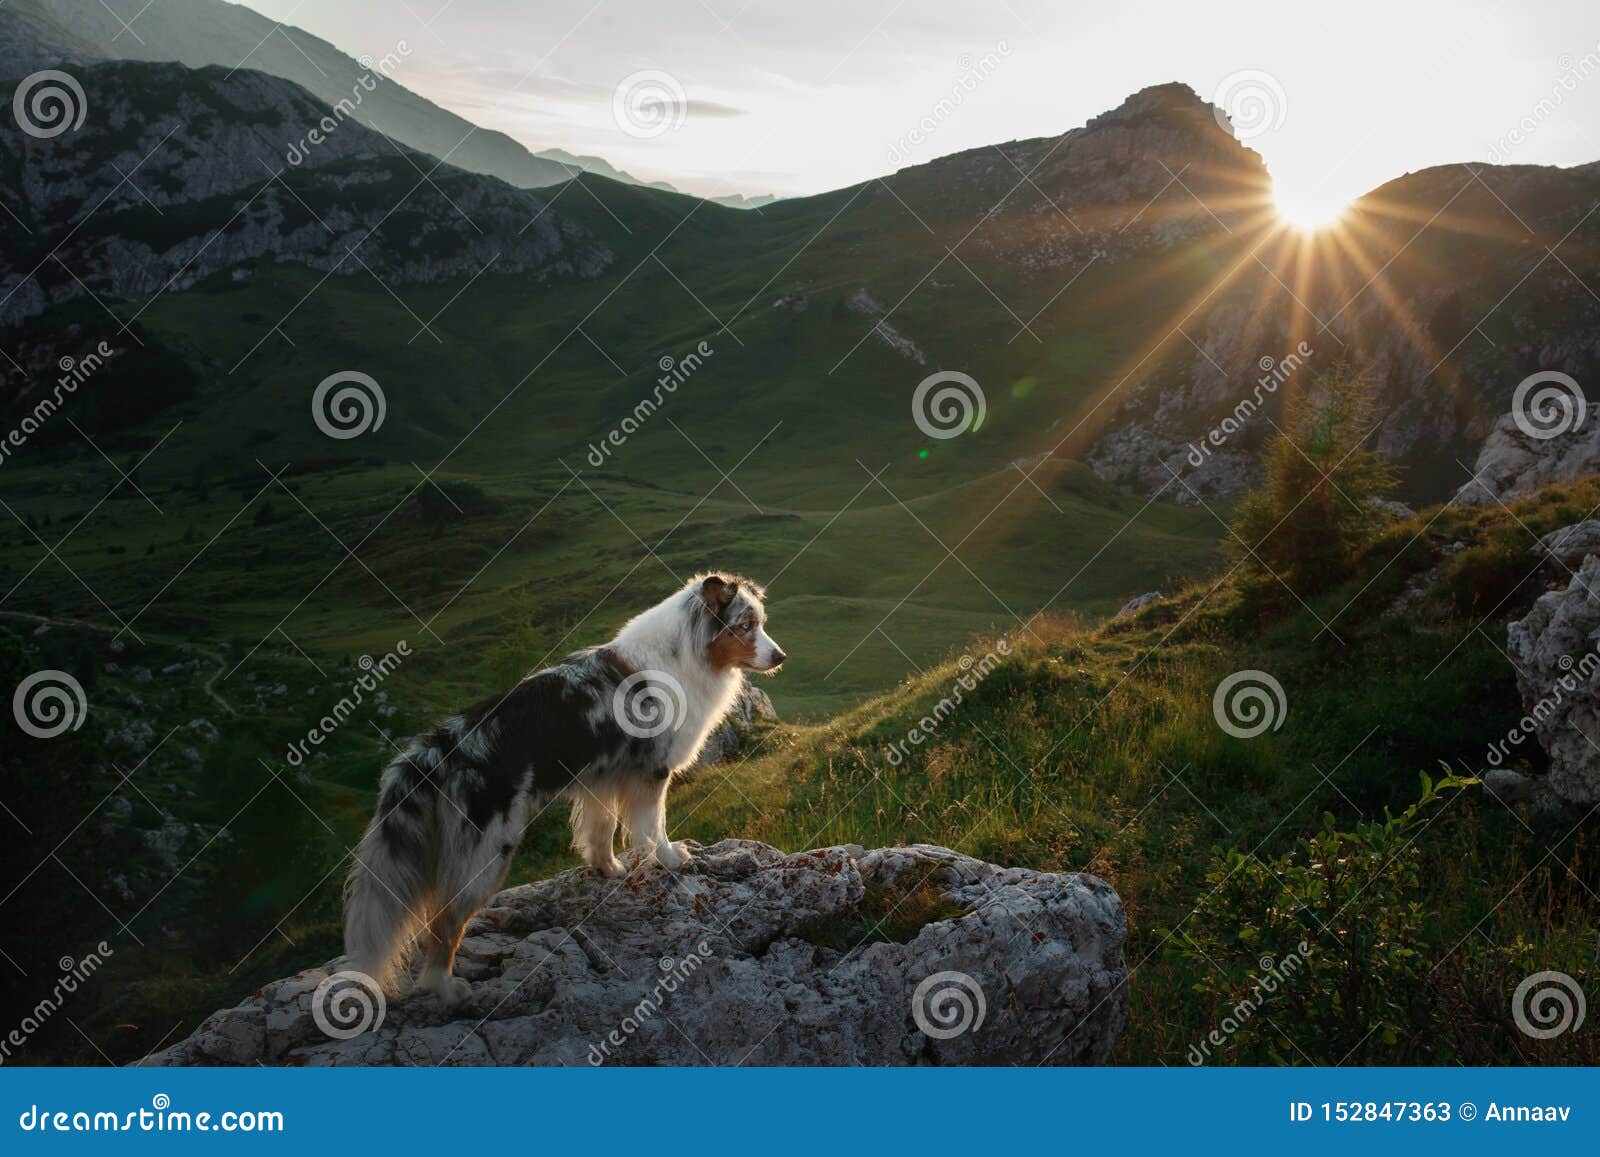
point(1570, 544)
point(751, 707)
point(1514, 464)
point(1558, 676)
point(180, 175)
point(1134, 605)
point(749, 956)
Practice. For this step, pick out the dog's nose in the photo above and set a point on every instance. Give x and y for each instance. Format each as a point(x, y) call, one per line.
point(778, 657)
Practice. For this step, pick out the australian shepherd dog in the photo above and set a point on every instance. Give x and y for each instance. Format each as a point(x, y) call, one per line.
point(606, 729)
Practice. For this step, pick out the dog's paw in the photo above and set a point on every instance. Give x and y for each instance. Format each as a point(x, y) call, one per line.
point(611, 869)
point(673, 856)
point(450, 990)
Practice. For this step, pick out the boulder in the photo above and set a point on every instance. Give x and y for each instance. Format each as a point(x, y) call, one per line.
point(748, 956)
point(728, 736)
point(1135, 605)
point(1570, 544)
point(1558, 676)
point(1514, 464)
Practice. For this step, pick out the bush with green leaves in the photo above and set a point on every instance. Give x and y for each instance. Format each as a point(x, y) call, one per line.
point(1328, 940)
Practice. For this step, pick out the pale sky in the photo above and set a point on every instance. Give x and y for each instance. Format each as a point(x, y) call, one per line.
point(788, 97)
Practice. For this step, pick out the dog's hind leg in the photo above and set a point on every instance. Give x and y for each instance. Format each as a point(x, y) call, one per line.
point(594, 831)
point(477, 867)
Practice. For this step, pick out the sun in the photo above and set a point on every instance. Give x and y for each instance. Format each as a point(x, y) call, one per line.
point(1308, 209)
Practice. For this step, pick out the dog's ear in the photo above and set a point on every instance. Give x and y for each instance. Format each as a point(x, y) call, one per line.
point(718, 592)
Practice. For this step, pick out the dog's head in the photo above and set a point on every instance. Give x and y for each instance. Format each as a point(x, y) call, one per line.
point(737, 618)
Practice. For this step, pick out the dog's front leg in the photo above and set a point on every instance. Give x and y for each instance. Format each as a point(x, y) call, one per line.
point(647, 823)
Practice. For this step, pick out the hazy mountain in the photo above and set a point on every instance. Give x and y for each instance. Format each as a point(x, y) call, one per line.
point(38, 34)
point(172, 180)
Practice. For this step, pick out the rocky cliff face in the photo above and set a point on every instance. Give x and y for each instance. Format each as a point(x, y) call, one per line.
point(1441, 287)
point(1553, 648)
point(749, 957)
point(177, 175)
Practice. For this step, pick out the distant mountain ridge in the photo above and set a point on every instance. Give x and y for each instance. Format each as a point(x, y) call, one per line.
point(210, 144)
point(37, 34)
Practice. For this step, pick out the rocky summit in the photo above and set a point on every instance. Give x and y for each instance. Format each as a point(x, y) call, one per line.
point(184, 175)
point(839, 956)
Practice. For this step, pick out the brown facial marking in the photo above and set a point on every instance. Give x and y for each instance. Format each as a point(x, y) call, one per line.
point(731, 649)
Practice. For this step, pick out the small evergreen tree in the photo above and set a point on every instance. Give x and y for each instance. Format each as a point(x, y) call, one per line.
point(1312, 512)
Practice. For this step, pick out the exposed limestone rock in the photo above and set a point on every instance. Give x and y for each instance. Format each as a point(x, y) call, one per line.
point(1135, 605)
point(752, 705)
point(181, 175)
point(1513, 464)
point(749, 956)
point(1570, 544)
point(1558, 675)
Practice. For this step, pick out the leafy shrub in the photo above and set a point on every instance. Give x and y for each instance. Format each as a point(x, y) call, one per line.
point(1328, 939)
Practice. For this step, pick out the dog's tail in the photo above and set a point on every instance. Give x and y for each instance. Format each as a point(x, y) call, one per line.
point(389, 893)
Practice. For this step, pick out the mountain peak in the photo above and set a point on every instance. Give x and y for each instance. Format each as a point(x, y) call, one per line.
point(1173, 98)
